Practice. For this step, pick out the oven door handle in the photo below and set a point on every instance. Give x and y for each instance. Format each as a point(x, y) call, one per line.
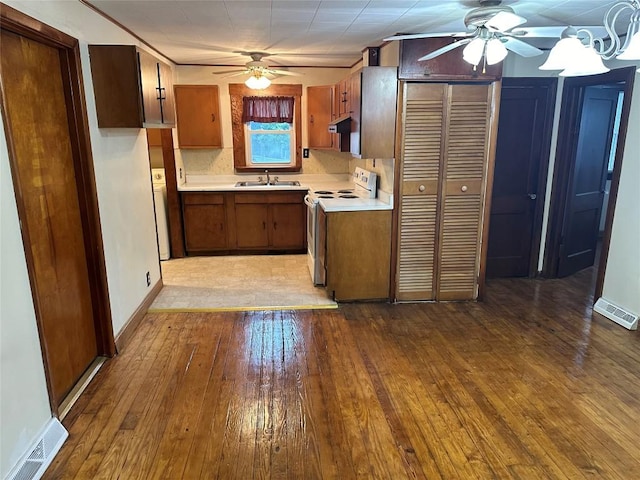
point(308, 202)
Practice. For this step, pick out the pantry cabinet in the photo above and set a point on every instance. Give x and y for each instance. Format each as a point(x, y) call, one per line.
point(132, 88)
point(355, 250)
point(447, 148)
point(198, 116)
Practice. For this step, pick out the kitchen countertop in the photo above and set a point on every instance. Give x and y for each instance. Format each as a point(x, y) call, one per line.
point(226, 183)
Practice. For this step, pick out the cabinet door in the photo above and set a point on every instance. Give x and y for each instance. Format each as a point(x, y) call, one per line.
point(288, 225)
point(150, 88)
point(319, 99)
point(204, 228)
point(251, 225)
point(205, 225)
point(344, 97)
point(165, 94)
point(198, 112)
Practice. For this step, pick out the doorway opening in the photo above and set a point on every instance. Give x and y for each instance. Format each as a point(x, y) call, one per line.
point(592, 132)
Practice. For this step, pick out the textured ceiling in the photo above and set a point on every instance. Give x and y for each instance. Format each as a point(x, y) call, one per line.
point(310, 33)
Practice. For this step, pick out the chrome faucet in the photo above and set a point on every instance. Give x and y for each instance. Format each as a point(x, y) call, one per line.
point(268, 178)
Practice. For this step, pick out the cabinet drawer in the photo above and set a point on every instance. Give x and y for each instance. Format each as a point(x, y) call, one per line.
point(202, 198)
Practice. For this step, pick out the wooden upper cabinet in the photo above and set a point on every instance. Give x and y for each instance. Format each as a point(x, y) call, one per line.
point(342, 102)
point(319, 115)
point(132, 88)
point(448, 66)
point(198, 116)
point(373, 94)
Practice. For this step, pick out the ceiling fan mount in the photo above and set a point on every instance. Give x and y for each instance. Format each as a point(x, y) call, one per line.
point(478, 17)
point(256, 67)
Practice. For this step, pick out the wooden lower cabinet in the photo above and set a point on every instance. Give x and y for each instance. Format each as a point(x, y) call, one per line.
point(229, 222)
point(271, 221)
point(205, 223)
point(251, 225)
point(356, 254)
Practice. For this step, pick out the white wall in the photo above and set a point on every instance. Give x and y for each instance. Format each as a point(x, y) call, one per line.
point(24, 402)
point(622, 276)
point(126, 212)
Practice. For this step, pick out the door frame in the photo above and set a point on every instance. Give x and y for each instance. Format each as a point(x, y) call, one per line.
point(18, 23)
point(571, 109)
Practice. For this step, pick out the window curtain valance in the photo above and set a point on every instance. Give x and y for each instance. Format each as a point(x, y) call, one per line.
point(267, 109)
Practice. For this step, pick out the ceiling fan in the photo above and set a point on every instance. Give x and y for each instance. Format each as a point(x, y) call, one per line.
point(490, 34)
point(256, 67)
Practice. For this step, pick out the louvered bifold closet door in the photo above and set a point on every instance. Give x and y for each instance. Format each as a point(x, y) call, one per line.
point(464, 172)
point(421, 154)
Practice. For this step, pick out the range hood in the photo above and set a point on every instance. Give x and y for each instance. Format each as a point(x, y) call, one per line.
point(341, 124)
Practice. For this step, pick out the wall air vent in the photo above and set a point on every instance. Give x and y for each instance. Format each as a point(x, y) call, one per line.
point(33, 465)
point(612, 312)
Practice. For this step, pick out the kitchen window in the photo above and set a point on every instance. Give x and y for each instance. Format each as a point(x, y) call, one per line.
point(266, 128)
point(270, 144)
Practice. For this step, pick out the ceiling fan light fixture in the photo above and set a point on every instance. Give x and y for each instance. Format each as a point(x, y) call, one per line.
point(496, 51)
point(473, 52)
point(563, 54)
point(257, 82)
point(632, 51)
point(587, 62)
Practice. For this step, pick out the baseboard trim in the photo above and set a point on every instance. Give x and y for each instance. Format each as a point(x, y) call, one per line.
point(123, 338)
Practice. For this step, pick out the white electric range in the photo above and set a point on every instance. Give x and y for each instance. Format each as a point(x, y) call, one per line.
point(354, 195)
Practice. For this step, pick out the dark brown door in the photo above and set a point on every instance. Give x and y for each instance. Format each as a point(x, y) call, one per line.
point(45, 178)
point(587, 179)
point(522, 156)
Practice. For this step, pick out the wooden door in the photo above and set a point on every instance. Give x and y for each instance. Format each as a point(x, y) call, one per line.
point(522, 156)
point(587, 179)
point(288, 226)
point(198, 113)
point(45, 176)
point(252, 225)
point(319, 108)
point(421, 132)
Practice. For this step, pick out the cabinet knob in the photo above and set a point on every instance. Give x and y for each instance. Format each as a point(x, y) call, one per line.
point(464, 188)
point(213, 117)
point(532, 196)
point(422, 188)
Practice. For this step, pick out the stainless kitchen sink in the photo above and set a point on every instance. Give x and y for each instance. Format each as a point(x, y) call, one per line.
point(278, 183)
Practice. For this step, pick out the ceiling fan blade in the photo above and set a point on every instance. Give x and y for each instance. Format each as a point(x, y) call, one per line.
point(411, 36)
point(505, 21)
point(237, 74)
point(445, 49)
point(284, 72)
point(223, 72)
point(521, 48)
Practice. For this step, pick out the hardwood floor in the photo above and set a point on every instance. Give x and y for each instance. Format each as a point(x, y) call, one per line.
point(523, 385)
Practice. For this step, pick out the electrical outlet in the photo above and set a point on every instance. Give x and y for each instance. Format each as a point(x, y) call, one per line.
point(148, 279)
point(305, 153)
